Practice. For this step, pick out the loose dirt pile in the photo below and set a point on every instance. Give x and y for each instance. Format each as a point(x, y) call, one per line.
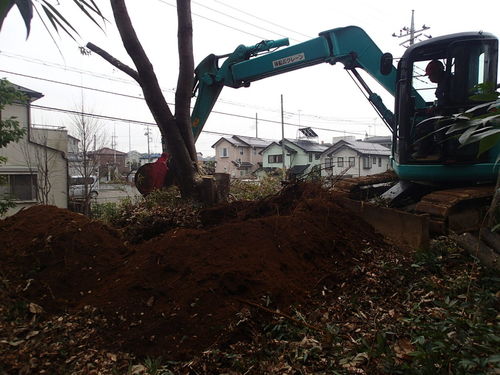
point(177, 294)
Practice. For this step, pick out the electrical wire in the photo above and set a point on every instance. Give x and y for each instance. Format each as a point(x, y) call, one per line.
point(261, 19)
point(318, 118)
point(146, 123)
point(360, 121)
point(241, 20)
point(217, 22)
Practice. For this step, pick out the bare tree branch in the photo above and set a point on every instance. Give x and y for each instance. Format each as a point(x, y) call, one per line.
point(147, 77)
point(114, 61)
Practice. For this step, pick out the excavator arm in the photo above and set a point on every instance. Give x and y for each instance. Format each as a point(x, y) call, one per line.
point(350, 46)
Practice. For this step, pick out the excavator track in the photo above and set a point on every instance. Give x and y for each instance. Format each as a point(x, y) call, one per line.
point(458, 209)
point(448, 210)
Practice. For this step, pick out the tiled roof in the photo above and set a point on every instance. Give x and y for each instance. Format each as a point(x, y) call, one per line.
point(253, 141)
point(365, 148)
point(308, 146)
point(30, 93)
point(109, 151)
point(232, 140)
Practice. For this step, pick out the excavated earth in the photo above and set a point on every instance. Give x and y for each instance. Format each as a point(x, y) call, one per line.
point(176, 295)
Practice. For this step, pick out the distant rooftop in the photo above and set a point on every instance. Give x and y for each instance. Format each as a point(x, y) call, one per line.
point(253, 141)
point(308, 146)
point(33, 95)
point(362, 147)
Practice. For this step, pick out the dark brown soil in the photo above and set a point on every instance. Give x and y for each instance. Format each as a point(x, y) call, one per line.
point(176, 294)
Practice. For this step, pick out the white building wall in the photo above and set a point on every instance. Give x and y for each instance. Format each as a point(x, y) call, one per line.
point(224, 164)
point(377, 164)
point(17, 164)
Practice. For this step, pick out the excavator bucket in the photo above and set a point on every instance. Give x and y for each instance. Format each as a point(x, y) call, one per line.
point(152, 176)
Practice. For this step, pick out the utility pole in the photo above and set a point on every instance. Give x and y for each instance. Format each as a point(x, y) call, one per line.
point(283, 138)
point(147, 134)
point(113, 144)
point(129, 139)
point(256, 126)
point(411, 32)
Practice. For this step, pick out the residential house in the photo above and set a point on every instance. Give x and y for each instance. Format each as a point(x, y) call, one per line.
point(354, 158)
point(74, 158)
point(111, 163)
point(301, 156)
point(132, 160)
point(148, 158)
point(36, 170)
point(239, 156)
point(73, 145)
point(385, 141)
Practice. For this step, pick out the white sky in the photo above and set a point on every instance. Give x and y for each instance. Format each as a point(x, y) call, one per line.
point(322, 96)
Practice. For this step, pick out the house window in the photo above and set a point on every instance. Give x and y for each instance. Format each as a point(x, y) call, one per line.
point(317, 156)
point(224, 153)
point(275, 159)
point(310, 157)
point(367, 162)
point(374, 160)
point(340, 161)
point(328, 163)
point(241, 151)
point(255, 151)
point(19, 187)
point(379, 162)
point(352, 161)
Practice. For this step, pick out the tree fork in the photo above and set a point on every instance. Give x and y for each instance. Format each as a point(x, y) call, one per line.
point(175, 129)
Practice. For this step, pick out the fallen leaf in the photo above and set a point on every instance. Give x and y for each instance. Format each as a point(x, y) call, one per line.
point(403, 348)
point(137, 369)
point(32, 334)
point(34, 308)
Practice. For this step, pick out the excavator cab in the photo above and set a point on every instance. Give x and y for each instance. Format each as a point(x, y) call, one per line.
point(437, 79)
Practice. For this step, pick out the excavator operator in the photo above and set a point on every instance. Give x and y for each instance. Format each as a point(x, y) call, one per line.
point(436, 73)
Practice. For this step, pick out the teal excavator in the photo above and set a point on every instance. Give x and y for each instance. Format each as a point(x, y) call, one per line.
point(425, 160)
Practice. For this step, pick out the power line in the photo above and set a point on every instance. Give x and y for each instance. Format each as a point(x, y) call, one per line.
point(240, 20)
point(146, 123)
point(217, 22)
point(65, 67)
point(106, 77)
point(316, 117)
point(74, 85)
point(261, 19)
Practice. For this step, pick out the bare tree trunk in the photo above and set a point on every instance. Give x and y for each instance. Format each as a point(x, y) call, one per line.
point(176, 130)
point(186, 75)
point(40, 160)
point(85, 164)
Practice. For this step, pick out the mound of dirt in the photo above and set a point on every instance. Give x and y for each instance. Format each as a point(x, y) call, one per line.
point(176, 294)
point(56, 255)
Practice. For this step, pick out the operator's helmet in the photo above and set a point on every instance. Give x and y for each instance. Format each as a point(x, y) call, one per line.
point(434, 67)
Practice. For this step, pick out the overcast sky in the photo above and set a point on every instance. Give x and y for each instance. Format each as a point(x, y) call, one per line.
point(323, 96)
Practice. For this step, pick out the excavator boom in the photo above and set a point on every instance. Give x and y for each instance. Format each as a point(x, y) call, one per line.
point(349, 45)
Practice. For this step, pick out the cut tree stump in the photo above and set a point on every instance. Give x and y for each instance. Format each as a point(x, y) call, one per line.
point(477, 248)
